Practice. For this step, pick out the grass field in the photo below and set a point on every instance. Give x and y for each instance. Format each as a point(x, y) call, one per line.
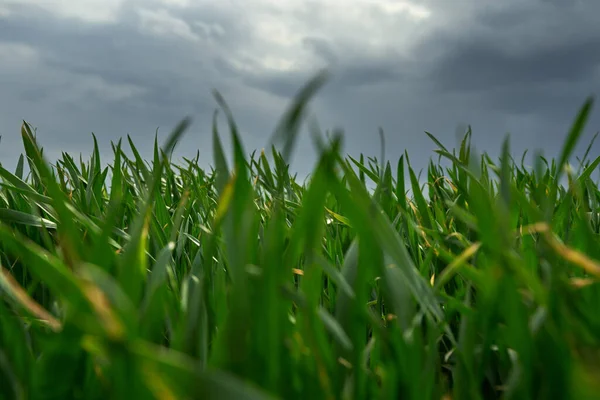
point(159, 280)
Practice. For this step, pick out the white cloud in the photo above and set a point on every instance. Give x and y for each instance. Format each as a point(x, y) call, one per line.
point(162, 23)
point(277, 29)
point(106, 91)
point(398, 7)
point(4, 11)
point(210, 29)
point(354, 30)
point(92, 11)
point(176, 3)
point(16, 56)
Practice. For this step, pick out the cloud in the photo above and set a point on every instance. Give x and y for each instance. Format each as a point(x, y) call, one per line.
point(17, 55)
point(161, 22)
point(539, 46)
point(89, 11)
point(530, 61)
point(132, 66)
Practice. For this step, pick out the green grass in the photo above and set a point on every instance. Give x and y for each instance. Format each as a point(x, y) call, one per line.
point(156, 280)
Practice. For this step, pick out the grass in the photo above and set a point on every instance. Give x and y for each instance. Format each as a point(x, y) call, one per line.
point(156, 280)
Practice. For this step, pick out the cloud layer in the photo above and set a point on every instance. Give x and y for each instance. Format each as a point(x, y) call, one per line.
point(129, 67)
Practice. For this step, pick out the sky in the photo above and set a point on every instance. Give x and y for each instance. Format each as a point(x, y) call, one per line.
point(71, 68)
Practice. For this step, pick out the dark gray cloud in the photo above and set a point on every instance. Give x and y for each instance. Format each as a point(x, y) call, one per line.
point(525, 46)
point(533, 59)
point(79, 79)
point(522, 67)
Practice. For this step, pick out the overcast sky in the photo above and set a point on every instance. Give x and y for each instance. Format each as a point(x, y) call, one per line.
point(118, 67)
